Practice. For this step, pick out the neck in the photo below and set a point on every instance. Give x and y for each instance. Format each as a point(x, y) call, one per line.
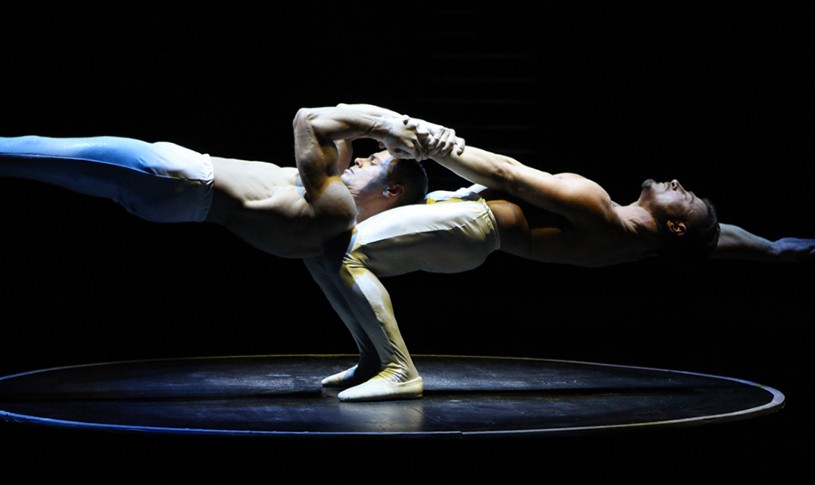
point(636, 218)
point(369, 206)
point(362, 215)
point(640, 223)
point(364, 211)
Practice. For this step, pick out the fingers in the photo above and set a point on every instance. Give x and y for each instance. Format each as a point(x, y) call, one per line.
point(445, 142)
point(432, 140)
point(460, 145)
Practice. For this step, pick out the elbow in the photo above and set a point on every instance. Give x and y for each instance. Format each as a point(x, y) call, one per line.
point(304, 117)
point(311, 123)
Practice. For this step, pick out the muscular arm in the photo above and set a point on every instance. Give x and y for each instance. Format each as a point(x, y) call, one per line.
point(371, 110)
point(317, 133)
point(738, 243)
point(570, 195)
point(321, 139)
point(344, 146)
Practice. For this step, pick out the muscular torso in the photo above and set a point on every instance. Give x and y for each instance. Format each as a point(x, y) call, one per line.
point(534, 233)
point(264, 204)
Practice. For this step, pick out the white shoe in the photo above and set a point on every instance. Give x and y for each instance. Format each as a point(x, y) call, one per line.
point(382, 388)
point(347, 378)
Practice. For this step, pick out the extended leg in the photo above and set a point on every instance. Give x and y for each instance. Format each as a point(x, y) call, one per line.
point(160, 182)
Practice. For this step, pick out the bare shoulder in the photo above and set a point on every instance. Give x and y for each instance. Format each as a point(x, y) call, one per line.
point(577, 187)
point(335, 206)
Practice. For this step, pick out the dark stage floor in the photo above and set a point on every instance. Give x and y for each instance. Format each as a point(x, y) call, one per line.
point(280, 396)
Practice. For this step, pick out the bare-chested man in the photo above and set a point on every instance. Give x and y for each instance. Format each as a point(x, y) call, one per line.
point(549, 218)
point(287, 211)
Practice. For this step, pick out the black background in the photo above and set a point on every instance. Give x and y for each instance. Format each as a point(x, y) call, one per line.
point(718, 95)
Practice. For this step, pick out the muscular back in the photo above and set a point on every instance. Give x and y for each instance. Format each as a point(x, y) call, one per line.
point(265, 205)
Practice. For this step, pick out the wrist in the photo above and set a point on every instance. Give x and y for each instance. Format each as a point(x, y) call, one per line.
point(381, 127)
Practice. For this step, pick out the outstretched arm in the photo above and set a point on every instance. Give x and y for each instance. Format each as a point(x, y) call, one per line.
point(570, 195)
point(738, 243)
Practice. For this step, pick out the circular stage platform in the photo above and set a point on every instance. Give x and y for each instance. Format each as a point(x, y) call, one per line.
point(281, 396)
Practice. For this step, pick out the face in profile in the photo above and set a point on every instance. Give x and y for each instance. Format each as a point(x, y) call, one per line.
point(670, 201)
point(367, 174)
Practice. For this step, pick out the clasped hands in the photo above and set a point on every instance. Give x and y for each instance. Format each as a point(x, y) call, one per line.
point(419, 139)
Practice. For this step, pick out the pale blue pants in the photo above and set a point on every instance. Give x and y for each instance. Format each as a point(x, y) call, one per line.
point(159, 182)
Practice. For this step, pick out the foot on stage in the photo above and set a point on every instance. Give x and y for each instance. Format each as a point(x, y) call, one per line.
point(392, 383)
point(348, 378)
